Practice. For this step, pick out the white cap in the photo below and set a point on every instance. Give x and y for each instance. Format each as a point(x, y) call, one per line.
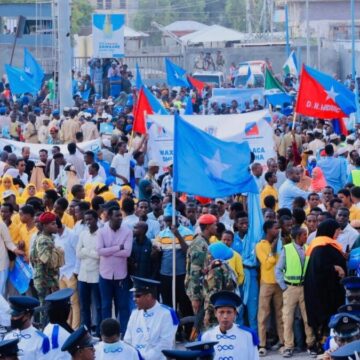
point(220, 200)
point(333, 136)
point(343, 150)
point(153, 163)
point(7, 193)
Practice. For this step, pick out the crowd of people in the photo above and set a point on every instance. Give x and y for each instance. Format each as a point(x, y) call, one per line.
point(95, 230)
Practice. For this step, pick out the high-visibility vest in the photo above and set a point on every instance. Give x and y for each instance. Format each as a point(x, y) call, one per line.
point(355, 174)
point(294, 271)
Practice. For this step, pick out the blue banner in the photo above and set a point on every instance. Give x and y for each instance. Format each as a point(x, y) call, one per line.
point(20, 275)
point(226, 95)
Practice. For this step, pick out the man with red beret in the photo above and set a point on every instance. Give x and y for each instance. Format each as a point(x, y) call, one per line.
point(196, 261)
point(46, 258)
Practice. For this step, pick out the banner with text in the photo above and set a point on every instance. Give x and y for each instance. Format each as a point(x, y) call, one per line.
point(108, 35)
point(254, 127)
point(16, 146)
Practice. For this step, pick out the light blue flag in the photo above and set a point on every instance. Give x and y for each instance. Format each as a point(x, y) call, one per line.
point(138, 81)
point(33, 68)
point(85, 94)
point(20, 275)
point(20, 82)
point(189, 107)
point(207, 166)
point(176, 76)
point(154, 103)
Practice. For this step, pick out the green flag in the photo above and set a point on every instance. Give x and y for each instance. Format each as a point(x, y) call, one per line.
point(272, 86)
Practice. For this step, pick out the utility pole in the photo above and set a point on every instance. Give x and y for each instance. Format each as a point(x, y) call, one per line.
point(248, 17)
point(63, 12)
point(307, 33)
point(353, 66)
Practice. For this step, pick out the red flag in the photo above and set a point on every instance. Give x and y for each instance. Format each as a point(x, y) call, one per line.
point(318, 97)
point(142, 107)
point(197, 84)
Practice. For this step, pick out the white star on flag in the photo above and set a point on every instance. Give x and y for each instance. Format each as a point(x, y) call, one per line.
point(215, 166)
point(21, 78)
point(27, 70)
point(331, 94)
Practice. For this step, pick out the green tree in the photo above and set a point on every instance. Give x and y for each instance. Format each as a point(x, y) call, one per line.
point(235, 14)
point(80, 15)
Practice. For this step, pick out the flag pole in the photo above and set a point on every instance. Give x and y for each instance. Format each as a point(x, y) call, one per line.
point(173, 200)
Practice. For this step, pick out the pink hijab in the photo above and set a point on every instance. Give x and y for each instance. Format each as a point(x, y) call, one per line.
point(318, 181)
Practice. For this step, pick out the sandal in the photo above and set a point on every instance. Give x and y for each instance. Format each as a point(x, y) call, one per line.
point(262, 351)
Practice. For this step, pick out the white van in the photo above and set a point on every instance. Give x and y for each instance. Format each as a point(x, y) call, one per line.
point(212, 78)
point(257, 68)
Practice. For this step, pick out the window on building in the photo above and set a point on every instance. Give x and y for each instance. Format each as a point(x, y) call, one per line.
point(122, 4)
point(108, 4)
point(100, 4)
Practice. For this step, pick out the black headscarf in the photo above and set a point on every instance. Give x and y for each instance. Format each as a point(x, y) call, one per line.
point(327, 228)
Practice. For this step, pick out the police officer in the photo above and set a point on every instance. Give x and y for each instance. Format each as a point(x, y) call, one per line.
point(111, 347)
point(152, 326)
point(58, 330)
point(33, 344)
point(9, 349)
point(235, 342)
point(203, 350)
point(349, 351)
point(345, 328)
point(352, 289)
point(80, 345)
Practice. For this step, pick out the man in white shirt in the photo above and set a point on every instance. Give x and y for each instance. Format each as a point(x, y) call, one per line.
point(111, 346)
point(152, 326)
point(120, 165)
point(19, 171)
point(348, 234)
point(94, 175)
point(89, 158)
point(128, 208)
point(67, 240)
point(76, 158)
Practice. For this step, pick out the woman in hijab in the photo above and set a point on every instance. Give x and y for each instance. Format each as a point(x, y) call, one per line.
point(8, 184)
point(145, 190)
point(29, 191)
point(326, 267)
point(305, 181)
point(318, 181)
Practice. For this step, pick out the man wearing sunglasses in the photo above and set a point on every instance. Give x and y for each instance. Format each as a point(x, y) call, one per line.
point(152, 326)
point(80, 345)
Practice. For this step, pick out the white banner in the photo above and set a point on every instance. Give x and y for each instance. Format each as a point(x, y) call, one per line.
point(108, 35)
point(253, 127)
point(16, 146)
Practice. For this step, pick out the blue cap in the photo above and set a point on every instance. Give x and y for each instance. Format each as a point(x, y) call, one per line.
point(37, 109)
point(206, 347)
point(56, 112)
point(9, 348)
point(182, 354)
point(60, 297)
point(345, 325)
point(353, 309)
point(22, 304)
point(2, 110)
point(79, 339)
point(128, 128)
point(225, 299)
point(351, 283)
point(220, 251)
point(168, 211)
point(144, 285)
point(348, 351)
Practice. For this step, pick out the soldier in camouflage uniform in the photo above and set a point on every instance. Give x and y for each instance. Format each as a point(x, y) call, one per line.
point(218, 277)
point(46, 258)
point(196, 261)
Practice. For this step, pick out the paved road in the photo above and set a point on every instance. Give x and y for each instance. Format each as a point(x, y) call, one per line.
point(274, 355)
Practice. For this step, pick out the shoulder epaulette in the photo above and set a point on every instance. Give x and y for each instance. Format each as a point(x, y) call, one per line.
point(253, 333)
point(174, 316)
point(45, 348)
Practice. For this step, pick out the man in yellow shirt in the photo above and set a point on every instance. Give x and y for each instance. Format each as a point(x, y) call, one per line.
point(60, 207)
point(345, 196)
point(235, 262)
point(270, 291)
point(27, 228)
point(7, 212)
point(270, 189)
